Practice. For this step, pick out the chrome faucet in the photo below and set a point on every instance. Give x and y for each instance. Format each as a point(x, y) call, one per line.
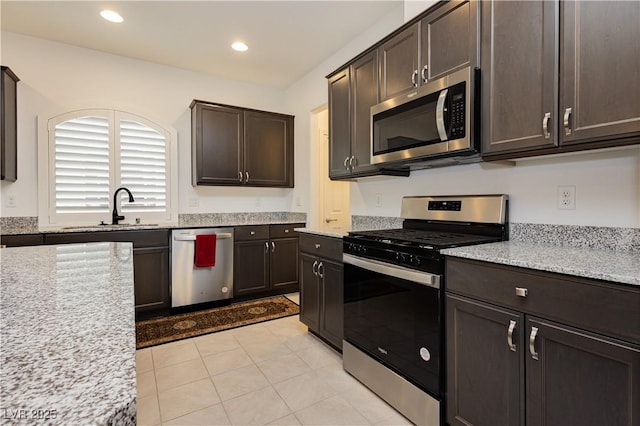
point(115, 218)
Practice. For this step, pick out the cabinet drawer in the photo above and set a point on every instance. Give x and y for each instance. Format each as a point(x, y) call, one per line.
point(20, 240)
point(142, 238)
point(251, 232)
point(327, 247)
point(285, 230)
point(607, 308)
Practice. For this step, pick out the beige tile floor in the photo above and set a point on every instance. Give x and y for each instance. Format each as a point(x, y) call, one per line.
point(274, 373)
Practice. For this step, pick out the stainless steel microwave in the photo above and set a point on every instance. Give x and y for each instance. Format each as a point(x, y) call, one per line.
point(434, 120)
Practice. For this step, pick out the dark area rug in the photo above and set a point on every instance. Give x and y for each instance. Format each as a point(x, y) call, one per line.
point(163, 330)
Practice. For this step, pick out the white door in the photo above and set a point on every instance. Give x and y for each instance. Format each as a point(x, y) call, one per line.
point(334, 195)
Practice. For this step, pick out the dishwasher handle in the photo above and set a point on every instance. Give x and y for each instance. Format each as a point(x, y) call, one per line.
point(221, 236)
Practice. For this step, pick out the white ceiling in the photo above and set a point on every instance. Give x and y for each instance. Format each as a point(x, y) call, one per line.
point(286, 39)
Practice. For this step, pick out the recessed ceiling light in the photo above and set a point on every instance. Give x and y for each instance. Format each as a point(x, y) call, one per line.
point(239, 46)
point(112, 16)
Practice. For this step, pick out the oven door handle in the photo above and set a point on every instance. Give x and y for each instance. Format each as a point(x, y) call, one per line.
point(420, 277)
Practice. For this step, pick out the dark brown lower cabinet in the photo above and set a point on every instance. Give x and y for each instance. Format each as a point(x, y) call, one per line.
point(150, 264)
point(251, 267)
point(524, 348)
point(485, 379)
point(20, 240)
point(321, 290)
point(265, 259)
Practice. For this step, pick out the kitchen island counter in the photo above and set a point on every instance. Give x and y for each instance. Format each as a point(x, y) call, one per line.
point(608, 265)
point(68, 335)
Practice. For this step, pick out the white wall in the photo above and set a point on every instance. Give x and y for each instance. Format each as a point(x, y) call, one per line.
point(414, 7)
point(607, 188)
point(58, 77)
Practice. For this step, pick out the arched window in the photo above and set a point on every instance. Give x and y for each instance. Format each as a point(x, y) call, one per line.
point(91, 153)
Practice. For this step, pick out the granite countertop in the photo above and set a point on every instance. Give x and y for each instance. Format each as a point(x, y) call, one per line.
point(68, 335)
point(616, 266)
point(323, 233)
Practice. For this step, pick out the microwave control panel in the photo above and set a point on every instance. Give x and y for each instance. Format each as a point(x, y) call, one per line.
point(457, 111)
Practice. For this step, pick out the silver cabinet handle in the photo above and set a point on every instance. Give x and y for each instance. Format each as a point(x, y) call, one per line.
point(545, 125)
point(423, 73)
point(246, 174)
point(313, 268)
point(321, 274)
point(413, 78)
point(346, 166)
point(351, 161)
point(252, 233)
point(567, 124)
point(240, 176)
point(317, 246)
point(512, 326)
point(266, 247)
point(329, 220)
point(521, 292)
point(532, 343)
point(273, 246)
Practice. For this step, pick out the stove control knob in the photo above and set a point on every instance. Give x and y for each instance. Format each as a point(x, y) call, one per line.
point(403, 257)
point(416, 261)
point(397, 257)
point(364, 250)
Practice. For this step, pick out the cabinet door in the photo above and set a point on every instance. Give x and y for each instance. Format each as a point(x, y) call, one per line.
point(519, 74)
point(399, 63)
point(268, 149)
point(339, 124)
point(485, 377)
point(364, 85)
point(332, 302)
point(600, 74)
point(217, 144)
point(8, 125)
point(151, 278)
point(579, 378)
point(251, 267)
point(284, 262)
point(309, 292)
point(449, 39)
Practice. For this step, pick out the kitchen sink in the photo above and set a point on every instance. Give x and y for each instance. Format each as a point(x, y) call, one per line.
point(110, 227)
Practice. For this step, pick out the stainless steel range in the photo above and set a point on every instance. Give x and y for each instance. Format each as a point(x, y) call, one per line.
point(393, 297)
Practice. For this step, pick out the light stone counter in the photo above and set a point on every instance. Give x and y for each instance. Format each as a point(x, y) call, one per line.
point(67, 327)
point(323, 233)
point(616, 266)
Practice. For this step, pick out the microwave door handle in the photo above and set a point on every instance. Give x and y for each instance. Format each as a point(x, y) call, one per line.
point(442, 131)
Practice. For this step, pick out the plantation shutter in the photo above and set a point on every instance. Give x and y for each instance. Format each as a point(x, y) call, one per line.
point(81, 149)
point(143, 167)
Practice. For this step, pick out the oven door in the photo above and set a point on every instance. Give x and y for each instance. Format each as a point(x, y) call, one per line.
point(393, 314)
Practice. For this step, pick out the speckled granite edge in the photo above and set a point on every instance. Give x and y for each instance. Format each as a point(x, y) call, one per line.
point(364, 223)
point(231, 219)
point(592, 237)
point(19, 225)
point(322, 232)
point(607, 265)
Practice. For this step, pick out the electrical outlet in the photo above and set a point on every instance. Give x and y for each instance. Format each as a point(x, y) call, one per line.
point(567, 197)
point(298, 202)
point(11, 201)
point(194, 202)
point(378, 200)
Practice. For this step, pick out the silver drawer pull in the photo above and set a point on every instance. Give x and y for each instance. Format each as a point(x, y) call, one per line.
point(521, 292)
point(532, 343)
point(252, 233)
point(317, 246)
point(512, 326)
point(313, 268)
point(286, 231)
point(321, 273)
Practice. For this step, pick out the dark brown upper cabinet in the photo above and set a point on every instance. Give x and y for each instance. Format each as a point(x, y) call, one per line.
point(8, 125)
point(240, 146)
point(443, 41)
point(352, 92)
point(559, 76)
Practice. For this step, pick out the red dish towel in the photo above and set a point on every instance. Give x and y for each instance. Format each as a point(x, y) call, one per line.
point(205, 256)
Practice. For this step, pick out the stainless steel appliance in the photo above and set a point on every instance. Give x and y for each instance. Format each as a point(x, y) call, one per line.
point(432, 121)
point(394, 303)
point(191, 285)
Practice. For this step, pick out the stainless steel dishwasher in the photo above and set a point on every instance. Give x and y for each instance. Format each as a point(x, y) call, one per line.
point(191, 285)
